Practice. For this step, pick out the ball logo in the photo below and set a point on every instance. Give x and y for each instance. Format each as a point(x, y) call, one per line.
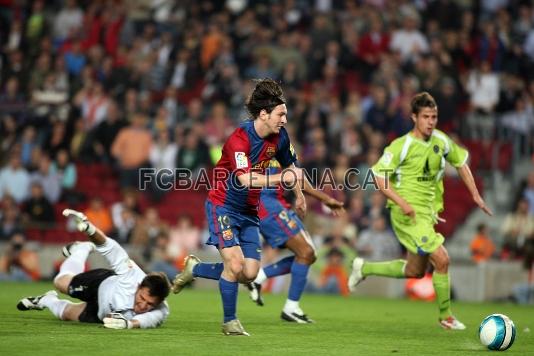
point(241, 160)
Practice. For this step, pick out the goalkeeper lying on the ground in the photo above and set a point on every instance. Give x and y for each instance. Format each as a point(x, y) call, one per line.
point(122, 297)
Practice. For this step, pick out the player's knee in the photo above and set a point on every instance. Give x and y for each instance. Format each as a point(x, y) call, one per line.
point(414, 273)
point(441, 265)
point(308, 256)
point(62, 282)
point(236, 266)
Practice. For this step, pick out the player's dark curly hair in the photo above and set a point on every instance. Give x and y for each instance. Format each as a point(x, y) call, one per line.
point(266, 96)
point(158, 285)
point(422, 100)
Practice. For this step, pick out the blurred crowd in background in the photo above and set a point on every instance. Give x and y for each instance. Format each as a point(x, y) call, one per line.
point(121, 85)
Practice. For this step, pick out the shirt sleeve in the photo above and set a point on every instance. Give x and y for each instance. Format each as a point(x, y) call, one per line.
point(153, 318)
point(457, 156)
point(237, 149)
point(285, 154)
point(116, 256)
point(388, 163)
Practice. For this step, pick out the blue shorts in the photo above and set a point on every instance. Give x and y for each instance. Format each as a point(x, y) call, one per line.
point(280, 225)
point(228, 228)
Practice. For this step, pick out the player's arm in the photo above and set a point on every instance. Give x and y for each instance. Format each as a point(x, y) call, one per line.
point(257, 180)
point(151, 319)
point(457, 157)
point(297, 187)
point(386, 188)
point(115, 255)
point(335, 205)
point(466, 175)
point(382, 171)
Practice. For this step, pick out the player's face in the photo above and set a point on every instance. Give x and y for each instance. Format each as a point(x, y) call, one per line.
point(144, 302)
point(277, 119)
point(425, 122)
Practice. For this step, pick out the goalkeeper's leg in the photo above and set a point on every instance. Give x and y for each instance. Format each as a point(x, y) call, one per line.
point(73, 265)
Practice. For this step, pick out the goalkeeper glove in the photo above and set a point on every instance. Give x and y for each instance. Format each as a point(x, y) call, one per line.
point(117, 321)
point(82, 224)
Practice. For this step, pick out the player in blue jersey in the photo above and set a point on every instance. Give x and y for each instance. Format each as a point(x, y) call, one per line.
point(232, 203)
point(281, 227)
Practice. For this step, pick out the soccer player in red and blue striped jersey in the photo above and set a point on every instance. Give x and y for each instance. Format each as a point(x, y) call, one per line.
point(232, 203)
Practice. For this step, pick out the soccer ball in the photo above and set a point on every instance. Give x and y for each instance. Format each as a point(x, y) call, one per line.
point(497, 332)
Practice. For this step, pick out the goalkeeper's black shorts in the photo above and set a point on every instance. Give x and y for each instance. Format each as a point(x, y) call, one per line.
point(84, 286)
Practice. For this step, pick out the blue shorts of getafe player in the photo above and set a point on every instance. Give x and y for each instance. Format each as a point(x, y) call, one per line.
point(228, 228)
point(277, 223)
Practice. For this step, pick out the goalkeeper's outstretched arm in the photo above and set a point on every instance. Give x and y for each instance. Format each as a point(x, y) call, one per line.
point(84, 225)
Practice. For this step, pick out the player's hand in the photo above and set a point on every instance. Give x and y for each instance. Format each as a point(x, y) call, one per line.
point(408, 211)
point(335, 206)
point(482, 205)
point(301, 206)
point(82, 223)
point(117, 321)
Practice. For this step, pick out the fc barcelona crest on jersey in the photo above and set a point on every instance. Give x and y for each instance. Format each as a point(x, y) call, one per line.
point(228, 234)
point(436, 149)
point(270, 151)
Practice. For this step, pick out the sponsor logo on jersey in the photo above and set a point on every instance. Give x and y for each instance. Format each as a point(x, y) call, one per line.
point(262, 164)
point(241, 160)
point(271, 150)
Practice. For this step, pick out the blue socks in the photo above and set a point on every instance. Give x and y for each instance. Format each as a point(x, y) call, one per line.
point(280, 268)
point(229, 298)
point(208, 270)
point(299, 277)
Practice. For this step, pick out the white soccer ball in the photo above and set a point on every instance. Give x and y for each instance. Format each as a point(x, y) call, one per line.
point(497, 332)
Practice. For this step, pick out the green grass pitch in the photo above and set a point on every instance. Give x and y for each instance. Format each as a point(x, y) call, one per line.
point(344, 326)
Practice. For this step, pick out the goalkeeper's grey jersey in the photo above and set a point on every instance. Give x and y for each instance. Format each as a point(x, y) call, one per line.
point(117, 293)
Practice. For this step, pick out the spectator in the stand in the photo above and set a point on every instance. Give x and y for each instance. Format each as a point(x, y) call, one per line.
point(377, 117)
point(147, 229)
point(373, 44)
point(184, 237)
point(68, 19)
point(47, 179)
point(161, 260)
point(408, 40)
point(66, 171)
point(27, 143)
point(131, 148)
point(58, 139)
point(104, 134)
point(12, 99)
point(483, 88)
point(18, 262)
point(124, 215)
point(99, 215)
point(93, 102)
point(218, 125)
point(14, 179)
point(38, 212)
point(194, 154)
point(482, 247)
point(517, 228)
point(377, 243)
point(10, 222)
point(528, 193)
point(8, 137)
